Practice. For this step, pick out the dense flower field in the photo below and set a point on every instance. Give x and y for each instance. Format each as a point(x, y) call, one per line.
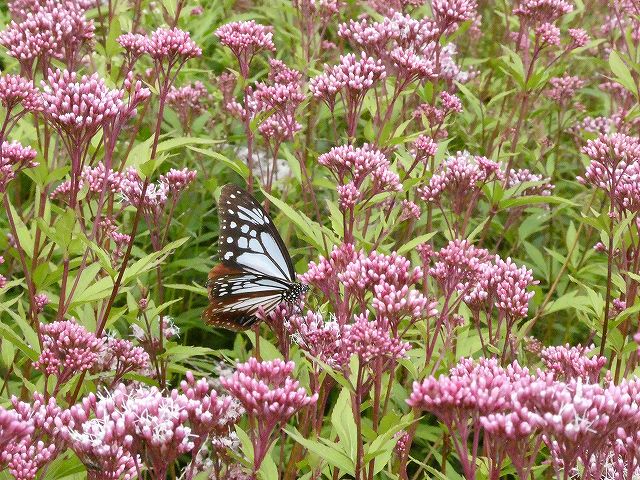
point(457, 183)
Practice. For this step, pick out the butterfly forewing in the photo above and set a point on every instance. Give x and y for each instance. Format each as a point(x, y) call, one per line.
point(256, 272)
point(248, 237)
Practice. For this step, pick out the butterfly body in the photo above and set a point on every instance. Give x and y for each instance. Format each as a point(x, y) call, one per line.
point(255, 273)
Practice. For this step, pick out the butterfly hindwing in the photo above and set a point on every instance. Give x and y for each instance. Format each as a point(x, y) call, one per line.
point(248, 237)
point(236, 295)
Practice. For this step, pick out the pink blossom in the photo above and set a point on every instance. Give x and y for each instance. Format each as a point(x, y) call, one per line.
point(320, 338)
point(324, 274)
point(452, 12)
point(543, 10)
point(188, 101)
point(55, 30)
point(177, 181)
point(3, 279)
point(460, 179)
point(403, 44)
point(359, 163)
point(135, 45)
point(15, 90)
point(245, 40)
point(348, 196)
point(471, 390)
point(548, 34)
point(458, 266)
point(615, 164)
point(352, 78)
point(579, 37)
point(12, 430)
point(520, 178)
point(26, 457)
point(41, 300)
point(409, 211)
point(281, 95)
point(369, 340)
point(270, 397)
point(450, 103)
point(120, 357)
point(425, 147)
point(567, 362)
point(79, 107)
point(13, 159)
point(67, 349)
point(172, 46)
point(564, 88)
point(323, 8)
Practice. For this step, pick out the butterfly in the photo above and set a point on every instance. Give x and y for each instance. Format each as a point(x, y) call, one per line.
point(255, 270)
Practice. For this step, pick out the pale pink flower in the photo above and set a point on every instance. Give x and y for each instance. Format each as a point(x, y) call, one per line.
point(245, 40)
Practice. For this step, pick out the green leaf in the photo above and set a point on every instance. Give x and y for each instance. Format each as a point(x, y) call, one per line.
point(268, 351)
point(344, 424)
point(190, 288)
point(236, 165)
point(245, 442)
point(11, 336)
point(534, 200)
point(407, 247)
point(268, 469)
point(313, 231)
point(622, 72)
point(331, 454)
point(24, 236)
point(178, 353)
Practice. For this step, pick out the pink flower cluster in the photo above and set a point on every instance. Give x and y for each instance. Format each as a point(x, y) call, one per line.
point(16, 90)
point(173, 182)
point(567, 362)
point(245, 40)
point(167, 46)
point(582, 423)
point(405, 45)
point(334, 344)
point(119, 357)
point(461, 400)
point(564, 88)
point(3, 279)
point(389, 278)
point(13, 159)
point(542, 11)
point(67, 349)
point(54, 30)
point(614, 168)
point(79, 106)
point(485, 283)
point(527, 183)
point(277, 100)
point(460, 179)
point(115, 431)
point(352, 166)
point(350, 79)
point(270, 397)
point(188, 101)
point(96, 180)
point(12, 430)
point(266, 390)
point(26, 455)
